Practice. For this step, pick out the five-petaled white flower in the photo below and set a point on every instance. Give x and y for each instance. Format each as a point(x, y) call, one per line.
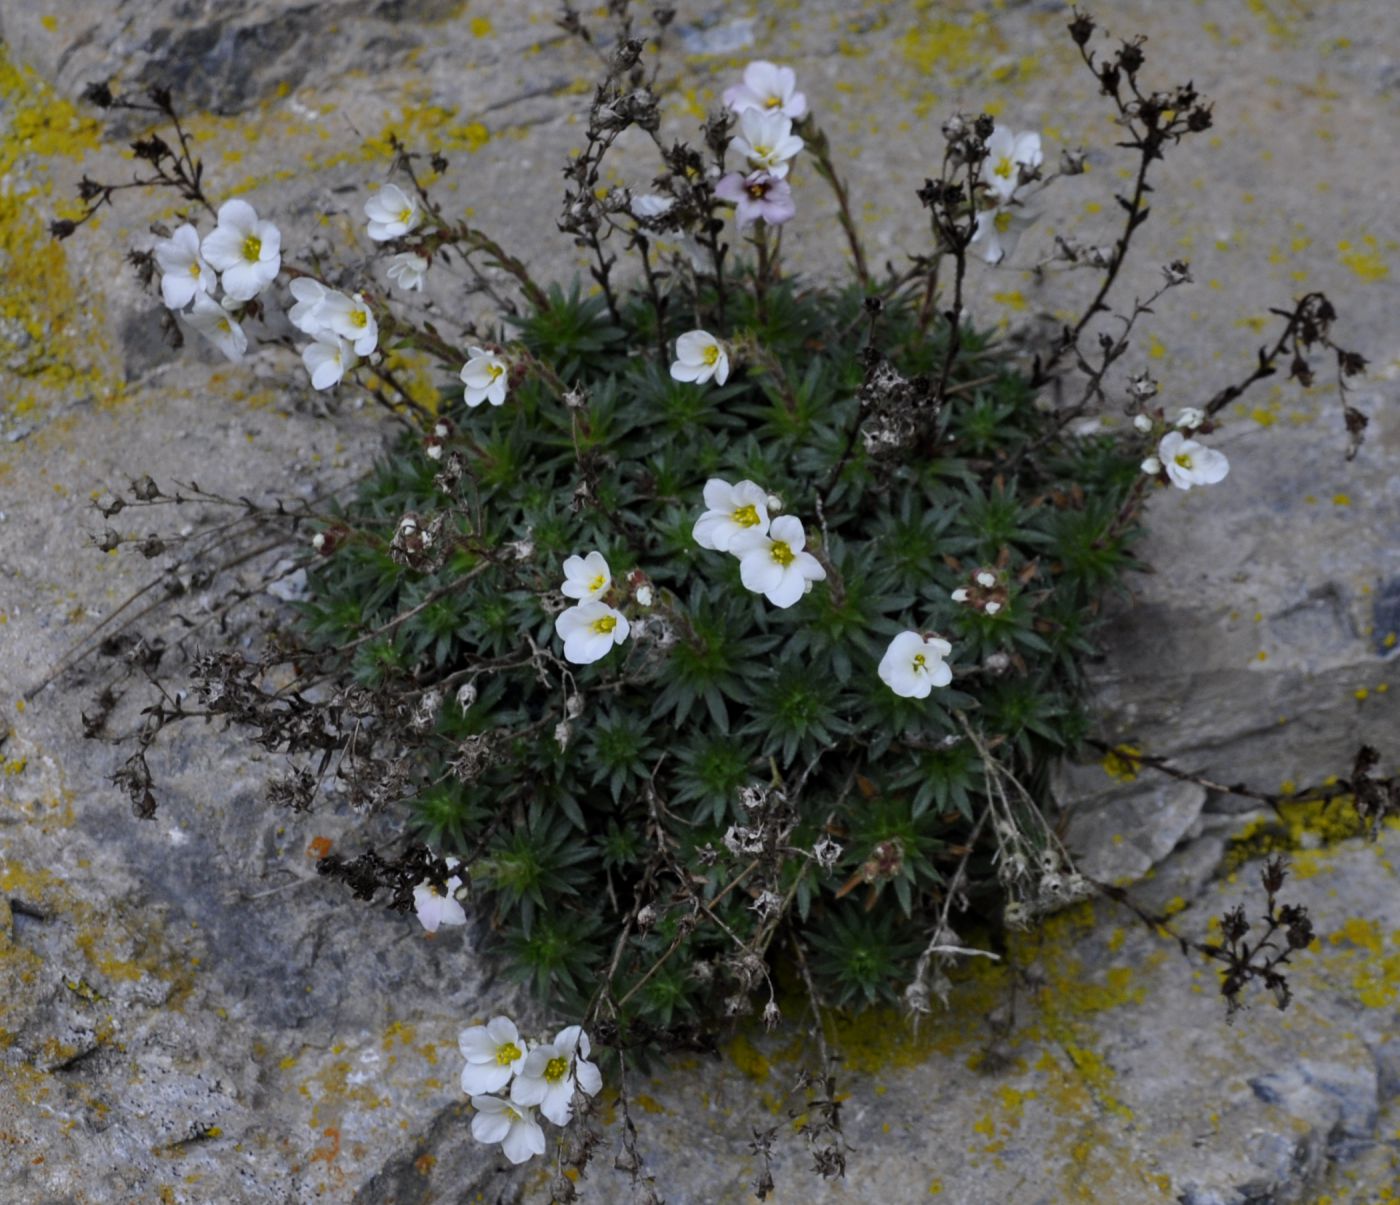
point(914, 664)
point(436, 908)
point(1188, 462)
point(732, 509)
point(766, 140)
point(553, 1071)
point(769, 89)
point(351, 319)
point(217, 325)
point(700, 356)
point(391, 212)
point(1007, 154)
point(513, 1126)
point(589, 631)
point(494, 1052)
point(586, 578)
point(485, 375)
point(305, 315)
point(247, 251)
point(327, 360)
point(408, 271)
point(184, 271)
point(998, 231)
point(774, 564)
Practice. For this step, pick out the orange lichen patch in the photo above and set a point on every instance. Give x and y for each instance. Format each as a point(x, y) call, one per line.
point(319, 847)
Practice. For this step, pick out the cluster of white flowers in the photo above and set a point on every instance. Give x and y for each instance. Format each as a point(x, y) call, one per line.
point(543, 1075)
point(1011, 160)
point(772, 557)
point(767, 103)
point(436, 908)
point(242, 253)
point(343, 330)
point(590, 628)
point(1181, 460)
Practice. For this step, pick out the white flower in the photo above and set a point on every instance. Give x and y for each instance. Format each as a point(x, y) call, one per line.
point(959, 595)
point(553, 1071)
point(217, 325)
point(351, 319)
point(998, 231)
point(305, 315)
point(391, 212)
point(435, 908)
point(516, 1129)
point(769, 89)
point(248, 252)
point(485, 376)
point(775, 564)
point(766, 140)
point(318, 541)
point(700, 356)
point(1007, 153)
point(986, 580)
point(649, 205)
point(585, 579)
point(732, 509)
point(327, 360)
point(433, 451)
point(1151, 466)
point(991, 607)
point(1143, 423)
point(1190, 463)
point(644, 596)
point(914, 664)
point(184, 271)
point(408, 271)
point(494, 1052)
point(1190, 418)
point(589, 631)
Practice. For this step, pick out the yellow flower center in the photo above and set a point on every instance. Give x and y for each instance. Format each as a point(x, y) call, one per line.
point(223, 325)
point(597, 583)
point(194, 270)
point(783, 554)
point(1183, 459)
point(495, 371)
point(762, 152)
point(746, 516)
point(252, 248)
point(711, 354)
point(406, 214)
point(358, 318)
point(920, 661)
point(512, 1114)
point(507, 1053)
point(1004, 167)
point(1002, 221)
point(772, 102)
point(556, 1069)
point(605, 625)
point(758, 191)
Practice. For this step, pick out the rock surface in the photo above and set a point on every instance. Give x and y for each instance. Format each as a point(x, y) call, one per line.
point(187, 1014)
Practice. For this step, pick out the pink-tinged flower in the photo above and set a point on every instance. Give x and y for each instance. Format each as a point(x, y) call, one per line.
point(247, 251)
point(768, 88)
point(184, 271)
point(757, 195)
point(775, 564)
point(766, 140)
